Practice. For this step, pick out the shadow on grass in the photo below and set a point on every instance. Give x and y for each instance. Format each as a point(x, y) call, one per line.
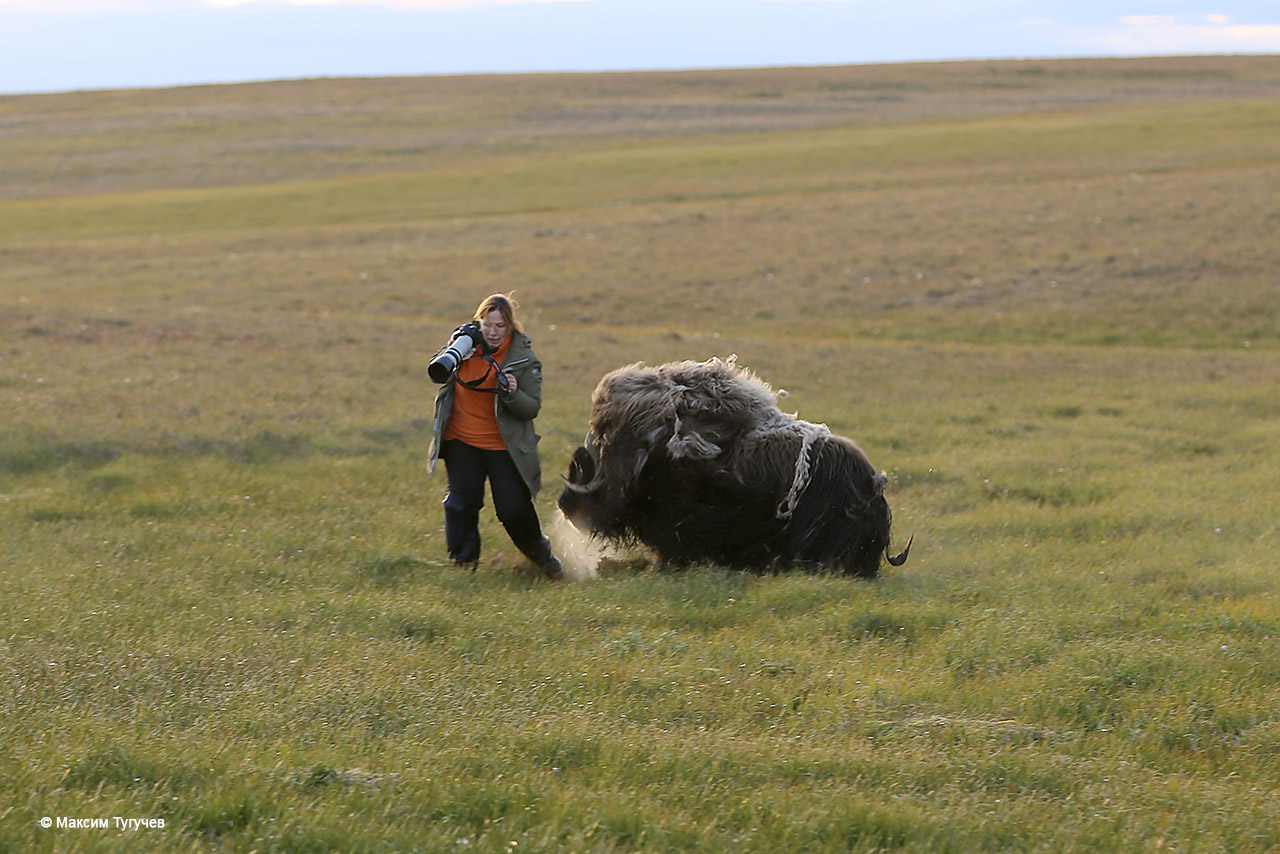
point(36, 456)
point(390, 571)
point(19, 460)
point(114, 766)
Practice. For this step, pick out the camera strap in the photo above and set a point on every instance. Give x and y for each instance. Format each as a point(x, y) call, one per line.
point(478, 385)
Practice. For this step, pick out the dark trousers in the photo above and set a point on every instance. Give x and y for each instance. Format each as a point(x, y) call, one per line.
point(467, 468)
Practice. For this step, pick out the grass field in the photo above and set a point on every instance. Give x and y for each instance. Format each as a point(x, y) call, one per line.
point(1043, 296)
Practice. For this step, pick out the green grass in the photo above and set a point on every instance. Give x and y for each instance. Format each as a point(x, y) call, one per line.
point(1040, 295)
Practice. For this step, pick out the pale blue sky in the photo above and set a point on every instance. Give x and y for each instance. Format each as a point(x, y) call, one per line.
point(56, 45)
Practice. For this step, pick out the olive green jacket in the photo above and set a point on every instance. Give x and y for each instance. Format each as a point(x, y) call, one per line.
point(515, 412)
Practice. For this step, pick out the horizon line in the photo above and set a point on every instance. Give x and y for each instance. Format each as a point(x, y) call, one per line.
point(445, 75)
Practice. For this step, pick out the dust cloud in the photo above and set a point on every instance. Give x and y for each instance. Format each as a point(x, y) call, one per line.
point(580, 553)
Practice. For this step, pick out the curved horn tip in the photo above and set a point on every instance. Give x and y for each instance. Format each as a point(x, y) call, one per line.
point(580, 488)
point(901, 557)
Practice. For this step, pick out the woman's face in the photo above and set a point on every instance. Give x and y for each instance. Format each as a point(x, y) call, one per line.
point(494, 328)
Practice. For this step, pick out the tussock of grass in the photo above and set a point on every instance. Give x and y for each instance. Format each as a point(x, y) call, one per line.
point(1040, 295)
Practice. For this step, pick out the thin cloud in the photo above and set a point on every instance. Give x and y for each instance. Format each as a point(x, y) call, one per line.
point(96, 7)
point(1156, 35)
point(1212, 33)
point(112, 7)
point(1149, 21)
point(423, 5)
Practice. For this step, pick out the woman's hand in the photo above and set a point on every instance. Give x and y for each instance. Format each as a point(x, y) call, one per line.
point(512, 385)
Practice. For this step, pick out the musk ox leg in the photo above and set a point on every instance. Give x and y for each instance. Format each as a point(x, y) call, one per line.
point(864, 565)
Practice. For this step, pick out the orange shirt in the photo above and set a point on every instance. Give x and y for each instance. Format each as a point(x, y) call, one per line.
point(474, 419)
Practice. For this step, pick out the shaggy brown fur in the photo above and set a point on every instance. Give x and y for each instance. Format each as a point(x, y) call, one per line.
point(696, 460)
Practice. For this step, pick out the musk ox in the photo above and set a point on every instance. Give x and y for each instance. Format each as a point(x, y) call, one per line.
point(696, 461)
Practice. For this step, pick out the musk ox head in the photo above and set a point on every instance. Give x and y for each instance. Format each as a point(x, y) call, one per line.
point(696, 461)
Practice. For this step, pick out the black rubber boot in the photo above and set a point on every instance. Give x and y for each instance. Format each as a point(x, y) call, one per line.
point(553, 568)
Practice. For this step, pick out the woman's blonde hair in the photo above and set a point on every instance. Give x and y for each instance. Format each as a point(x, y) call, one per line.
point(504, 304)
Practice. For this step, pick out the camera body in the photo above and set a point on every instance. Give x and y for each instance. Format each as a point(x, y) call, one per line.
point(466, 338)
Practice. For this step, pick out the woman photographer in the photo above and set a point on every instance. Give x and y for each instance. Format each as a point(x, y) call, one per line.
point(484, 429)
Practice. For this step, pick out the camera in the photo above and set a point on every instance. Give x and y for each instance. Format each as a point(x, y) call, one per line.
point(465, 339)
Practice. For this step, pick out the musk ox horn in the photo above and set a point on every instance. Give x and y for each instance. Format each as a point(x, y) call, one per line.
point(582, 488)
point(642, 458)
point(901, 557)
point(651, 440)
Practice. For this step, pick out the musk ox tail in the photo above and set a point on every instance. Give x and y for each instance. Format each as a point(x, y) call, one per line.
point(901, 557)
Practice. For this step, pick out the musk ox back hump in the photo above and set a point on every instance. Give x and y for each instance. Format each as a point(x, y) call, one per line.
point(698, 401)
point(696, 461)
